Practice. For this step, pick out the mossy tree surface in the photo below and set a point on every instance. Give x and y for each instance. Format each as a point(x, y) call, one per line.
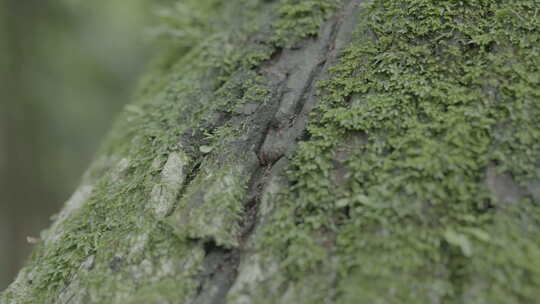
point(415, 180)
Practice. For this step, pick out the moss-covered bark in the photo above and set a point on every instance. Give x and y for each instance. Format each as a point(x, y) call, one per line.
point(416, 179)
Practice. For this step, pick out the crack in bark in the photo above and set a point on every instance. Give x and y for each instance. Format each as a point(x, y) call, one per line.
point(279, 137)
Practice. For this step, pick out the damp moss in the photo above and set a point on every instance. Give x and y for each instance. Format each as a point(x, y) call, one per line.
point(114, 242)
point(190, 110)
point(389, 197)
point(393, 181)
point(300, 19)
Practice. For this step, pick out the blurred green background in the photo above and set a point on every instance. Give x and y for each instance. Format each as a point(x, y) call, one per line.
point(66, 69)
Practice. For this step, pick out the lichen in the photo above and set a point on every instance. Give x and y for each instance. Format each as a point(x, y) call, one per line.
point(212, 206)
point(173, 176)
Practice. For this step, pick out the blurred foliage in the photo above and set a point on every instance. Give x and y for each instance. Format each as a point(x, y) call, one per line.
point(66, 68)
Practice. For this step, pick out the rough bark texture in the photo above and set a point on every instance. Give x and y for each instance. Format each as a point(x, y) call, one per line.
point(315, 151)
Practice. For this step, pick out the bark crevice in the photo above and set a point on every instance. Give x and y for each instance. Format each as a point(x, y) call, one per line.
point(294, 74)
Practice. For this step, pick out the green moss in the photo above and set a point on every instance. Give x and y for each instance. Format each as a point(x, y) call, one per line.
point(390, 198)
point(188, 113)
point(118, 227)
point(393, 180)
point(301, 19)
point(244, 90)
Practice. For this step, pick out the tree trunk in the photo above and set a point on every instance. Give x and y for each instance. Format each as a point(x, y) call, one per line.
point(315, 151)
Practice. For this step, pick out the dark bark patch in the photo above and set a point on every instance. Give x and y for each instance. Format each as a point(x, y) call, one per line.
point(116, 263)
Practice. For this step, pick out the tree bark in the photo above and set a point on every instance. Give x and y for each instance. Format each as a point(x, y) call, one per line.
point(314, 152)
